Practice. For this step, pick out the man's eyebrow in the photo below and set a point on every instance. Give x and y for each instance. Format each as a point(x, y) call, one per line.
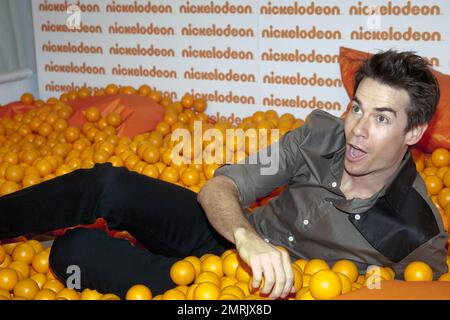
point(357, 100)
point(380, 109)
point(388, 110)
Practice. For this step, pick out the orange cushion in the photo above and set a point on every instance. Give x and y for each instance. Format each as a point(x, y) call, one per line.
point(438, 133)
point(402, 290)
point(139, 114)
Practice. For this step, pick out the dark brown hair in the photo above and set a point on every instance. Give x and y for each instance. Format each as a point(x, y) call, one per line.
point(408, 71)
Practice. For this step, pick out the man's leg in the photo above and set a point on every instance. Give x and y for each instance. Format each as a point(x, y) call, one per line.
point(164, 217)
point(167, 219)
point(62, 202)
point(107, 264)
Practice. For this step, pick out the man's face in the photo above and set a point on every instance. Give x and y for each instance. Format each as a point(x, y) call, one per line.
point(375, 129)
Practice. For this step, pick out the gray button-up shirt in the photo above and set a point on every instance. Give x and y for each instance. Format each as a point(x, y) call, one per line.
point(312, 218)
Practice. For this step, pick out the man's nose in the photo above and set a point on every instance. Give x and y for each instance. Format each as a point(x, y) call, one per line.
point(361, 128)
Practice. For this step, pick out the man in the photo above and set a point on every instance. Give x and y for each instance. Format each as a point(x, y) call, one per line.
point(353, 193)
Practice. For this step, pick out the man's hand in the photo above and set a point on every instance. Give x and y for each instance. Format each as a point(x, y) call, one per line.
point(265, 259)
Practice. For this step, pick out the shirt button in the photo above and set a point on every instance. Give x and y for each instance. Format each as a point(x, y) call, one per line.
point(305, 222)
point(334, 184)
point(291, 238)
point(266, 240)
point(357, 217)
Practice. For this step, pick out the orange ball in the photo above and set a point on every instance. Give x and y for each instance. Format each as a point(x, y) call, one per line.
point(230, 264)
point(45, 294)
point(433, 184)
point(27, 98)
point(8, 279)
point(68, 294)
point(88, 294)
point(26, 288)
point(170, 174)
point(325, 284)
point(151, 155)
point(14, 173)
point(114, 119)
point(173, 294)
point(182, 273)
point(187, 101)
point(347, 268)
point(139, 292)
point(2, 255)
point(213, 263)
point(111, 89)
point(155, 95)
point(418, 271)
point(24, 252)
point(440, 157)
point(40, 262)
point(206, 291)
point(190, 177)
point(92, 114)
point(72, 134)
point(199, 105)
point(315, 265)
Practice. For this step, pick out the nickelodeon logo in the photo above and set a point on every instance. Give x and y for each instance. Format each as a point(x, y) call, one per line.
point(298, 33)
point(141, 71)
point(139, 29)
point(394, 35)
point(64, 6)
point(298, 80)
point(69, 47)
point(215, 31)
point(230, 97)
point(54, 87)
point(74, 68)
point(216, 75)
point(82, 28)
point(297, 56)
point(136, 7)
point(213, 8)
point(298, 102)
point(214, 53)
point(296, 9)
point(395, 10)
point(138, 50)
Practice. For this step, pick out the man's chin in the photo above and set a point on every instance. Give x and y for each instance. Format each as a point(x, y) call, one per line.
point(355, 169)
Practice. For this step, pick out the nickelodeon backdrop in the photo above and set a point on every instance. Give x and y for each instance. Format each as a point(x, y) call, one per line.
point(242, 56)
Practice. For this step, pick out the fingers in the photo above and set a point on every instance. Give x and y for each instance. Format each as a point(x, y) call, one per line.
point(280, 275)
point(269, 276)
point(271, 263)
point(289, 286)
point(255, 264)
point(277, 271)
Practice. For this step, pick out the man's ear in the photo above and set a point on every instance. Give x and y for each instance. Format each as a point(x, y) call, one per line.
point(415, 134)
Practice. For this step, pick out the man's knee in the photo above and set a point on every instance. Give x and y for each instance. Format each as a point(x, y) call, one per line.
point(71, 251)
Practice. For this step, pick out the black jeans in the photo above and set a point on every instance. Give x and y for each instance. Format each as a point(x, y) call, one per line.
point(165, 218)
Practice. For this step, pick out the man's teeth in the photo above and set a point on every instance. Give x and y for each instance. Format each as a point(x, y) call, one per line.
point(355, 152)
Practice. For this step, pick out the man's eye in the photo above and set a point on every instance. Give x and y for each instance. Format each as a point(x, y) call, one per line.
point(382, 119)
point(356, 109)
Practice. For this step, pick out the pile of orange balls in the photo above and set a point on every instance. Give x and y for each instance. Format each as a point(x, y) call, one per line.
point(435, 171)
point(39, 145)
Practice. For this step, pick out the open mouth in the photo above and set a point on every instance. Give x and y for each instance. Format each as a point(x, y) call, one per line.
point(355, 153)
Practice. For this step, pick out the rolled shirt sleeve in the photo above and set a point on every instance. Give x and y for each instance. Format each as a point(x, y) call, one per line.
point(267, 169)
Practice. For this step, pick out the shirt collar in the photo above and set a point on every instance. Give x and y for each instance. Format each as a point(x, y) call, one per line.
point(395, 188)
